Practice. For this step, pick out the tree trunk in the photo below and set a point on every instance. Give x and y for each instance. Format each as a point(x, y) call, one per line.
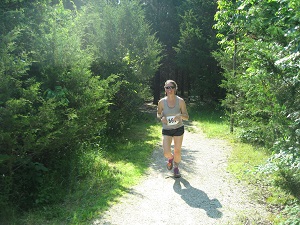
point(182, 84)
point(156, 85)
point(188, 86)
point(233, 91)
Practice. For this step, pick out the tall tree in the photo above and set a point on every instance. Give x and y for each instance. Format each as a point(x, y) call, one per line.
point(122, 44)
point(164, 18)
point(197, 41)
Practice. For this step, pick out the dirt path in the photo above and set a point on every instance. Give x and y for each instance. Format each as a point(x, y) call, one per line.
point(205, 194)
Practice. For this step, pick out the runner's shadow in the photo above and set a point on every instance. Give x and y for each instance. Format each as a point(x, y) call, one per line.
point(196, 198)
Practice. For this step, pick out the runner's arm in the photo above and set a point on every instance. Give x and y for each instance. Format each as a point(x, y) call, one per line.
point(159, 113)
point(184, 114)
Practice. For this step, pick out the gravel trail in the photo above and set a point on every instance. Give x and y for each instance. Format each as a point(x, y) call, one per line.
point(205, 194)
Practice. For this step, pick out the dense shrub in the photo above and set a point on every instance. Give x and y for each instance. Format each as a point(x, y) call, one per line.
point(53, 101)
point(260, 57)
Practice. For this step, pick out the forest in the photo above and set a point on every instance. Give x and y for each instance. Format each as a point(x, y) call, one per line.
point(75, 73)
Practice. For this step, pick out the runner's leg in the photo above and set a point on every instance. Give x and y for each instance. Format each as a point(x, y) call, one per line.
point(167, 141)
point(177, 149)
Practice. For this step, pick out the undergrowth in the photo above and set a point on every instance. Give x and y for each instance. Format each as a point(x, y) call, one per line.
point(106, 170)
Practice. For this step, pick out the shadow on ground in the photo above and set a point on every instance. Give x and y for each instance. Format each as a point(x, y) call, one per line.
point(196, 198)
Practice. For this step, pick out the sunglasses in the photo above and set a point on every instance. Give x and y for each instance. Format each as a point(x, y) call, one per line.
point(170, 87)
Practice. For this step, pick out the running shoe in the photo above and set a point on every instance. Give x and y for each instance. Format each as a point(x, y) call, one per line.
point(170, 164)
point(176, 172)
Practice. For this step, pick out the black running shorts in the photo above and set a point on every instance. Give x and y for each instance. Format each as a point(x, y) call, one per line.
point(174, 132)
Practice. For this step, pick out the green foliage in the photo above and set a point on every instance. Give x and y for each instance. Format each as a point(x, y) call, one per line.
point(263, 87)
point(102, 171)
point(122, 44)
point(123, 113)
point(164, 18)
point(285, 166)
point(197, 41)
point(53, 101)
point(15, 110)
point(120, 39)
point(292, 214)
point(210, 117)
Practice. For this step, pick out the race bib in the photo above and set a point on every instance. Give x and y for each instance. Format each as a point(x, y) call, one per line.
point(171, 120)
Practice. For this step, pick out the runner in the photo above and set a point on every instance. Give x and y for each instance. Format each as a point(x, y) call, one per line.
point(171, 110)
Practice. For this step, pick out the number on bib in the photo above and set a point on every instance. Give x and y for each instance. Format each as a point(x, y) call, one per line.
point(171, 120)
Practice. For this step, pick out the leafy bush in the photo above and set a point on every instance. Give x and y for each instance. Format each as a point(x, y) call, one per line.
point(260, 56)
point(292, 213)
point(47, 108)
point(288, 171)
point(55, 97)
point(123, 112)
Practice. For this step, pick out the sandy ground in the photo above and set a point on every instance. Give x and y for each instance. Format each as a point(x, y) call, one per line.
point(205, 194)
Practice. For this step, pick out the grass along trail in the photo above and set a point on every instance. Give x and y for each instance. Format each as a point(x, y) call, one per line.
point(205, 194)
